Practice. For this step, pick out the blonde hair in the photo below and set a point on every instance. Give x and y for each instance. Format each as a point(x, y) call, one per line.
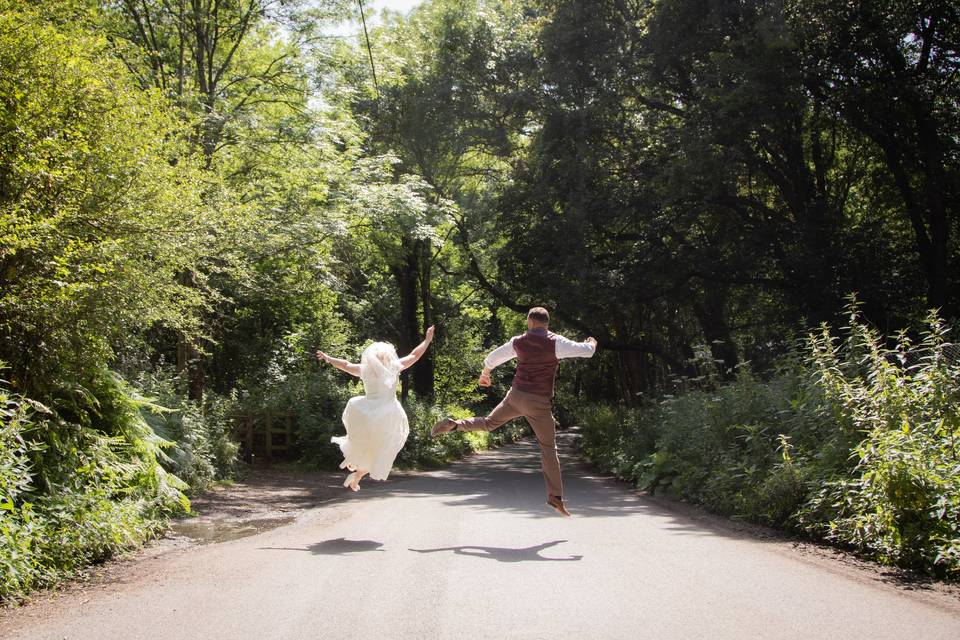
point(379, 360)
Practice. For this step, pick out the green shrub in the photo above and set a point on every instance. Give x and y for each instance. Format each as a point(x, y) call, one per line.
point(19, 528)
point(620, 440)
point(850, 440)
point(421, 450)
point(80, 481)
point(202, 448)
point(901, 501)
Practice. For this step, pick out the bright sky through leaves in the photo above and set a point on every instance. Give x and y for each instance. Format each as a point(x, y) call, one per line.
point(377, 6)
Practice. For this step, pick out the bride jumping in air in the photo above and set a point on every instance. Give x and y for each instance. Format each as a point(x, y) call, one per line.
point(376, 424)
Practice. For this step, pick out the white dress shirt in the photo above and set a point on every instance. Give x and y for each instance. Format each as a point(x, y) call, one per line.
point(565, 348)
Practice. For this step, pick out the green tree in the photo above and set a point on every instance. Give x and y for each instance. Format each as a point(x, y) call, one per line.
point(102, 204)
point(889, 69)
point(241, 70)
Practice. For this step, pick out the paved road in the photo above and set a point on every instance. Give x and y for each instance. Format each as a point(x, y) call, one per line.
point(472, 552)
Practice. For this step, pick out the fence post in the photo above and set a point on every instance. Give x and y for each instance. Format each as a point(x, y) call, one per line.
point(268, 440)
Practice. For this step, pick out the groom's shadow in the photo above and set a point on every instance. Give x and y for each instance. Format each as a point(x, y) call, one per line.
point(505, 554)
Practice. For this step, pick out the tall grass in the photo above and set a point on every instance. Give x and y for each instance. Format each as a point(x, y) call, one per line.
point(853, 440)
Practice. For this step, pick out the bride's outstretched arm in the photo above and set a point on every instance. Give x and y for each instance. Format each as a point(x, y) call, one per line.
point(343, 365)
point(408, 360)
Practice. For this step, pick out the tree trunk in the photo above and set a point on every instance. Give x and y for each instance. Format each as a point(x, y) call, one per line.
point(929, 225)
point(803, 190)
point(711, 315)
point(189, 359)
point(423, 371)
point(936, 190)
point(631, 368)
point(406, 275)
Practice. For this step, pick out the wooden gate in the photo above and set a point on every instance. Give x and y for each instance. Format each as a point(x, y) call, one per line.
point(265, 435)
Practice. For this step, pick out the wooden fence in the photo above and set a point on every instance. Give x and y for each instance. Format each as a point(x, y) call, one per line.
point(265, 435)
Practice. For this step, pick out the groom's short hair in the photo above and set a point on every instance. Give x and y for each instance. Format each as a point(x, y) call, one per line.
point(539, 314)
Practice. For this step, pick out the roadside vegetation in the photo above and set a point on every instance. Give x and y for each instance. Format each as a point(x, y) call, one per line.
point(854, 440)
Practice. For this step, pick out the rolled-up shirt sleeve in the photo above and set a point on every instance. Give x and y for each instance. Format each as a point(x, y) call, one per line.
point(569, 349)
point(500, 355)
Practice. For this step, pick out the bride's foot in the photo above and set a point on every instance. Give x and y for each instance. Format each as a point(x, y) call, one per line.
point(351, 481)
point(355, 485)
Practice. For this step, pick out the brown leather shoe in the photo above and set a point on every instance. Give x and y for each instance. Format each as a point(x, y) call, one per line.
point(443, 426)
point(556, 503)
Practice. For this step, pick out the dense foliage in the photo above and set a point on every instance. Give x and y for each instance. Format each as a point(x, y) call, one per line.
point(195, 197)
point(74, 493)
point(852, 441)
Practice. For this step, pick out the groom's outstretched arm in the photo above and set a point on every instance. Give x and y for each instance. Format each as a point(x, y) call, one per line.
point(569, 349)
point(494, 359)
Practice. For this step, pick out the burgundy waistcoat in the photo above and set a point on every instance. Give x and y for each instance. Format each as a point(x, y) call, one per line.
point(536, 362)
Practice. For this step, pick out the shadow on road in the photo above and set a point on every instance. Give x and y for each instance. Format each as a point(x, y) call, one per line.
point(508, 480)
point(505, 554)
point(335, 547)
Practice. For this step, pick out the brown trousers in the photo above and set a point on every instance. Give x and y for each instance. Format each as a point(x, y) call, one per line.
point(537, 410)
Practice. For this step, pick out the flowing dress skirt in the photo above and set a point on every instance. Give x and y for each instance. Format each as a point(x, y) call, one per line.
point(377, 429)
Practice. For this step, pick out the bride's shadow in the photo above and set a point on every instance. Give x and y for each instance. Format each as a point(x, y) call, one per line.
point(505, 554)
point(336, 547)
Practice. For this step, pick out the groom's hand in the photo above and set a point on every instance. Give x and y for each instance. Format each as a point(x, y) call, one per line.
point(484, 380)
point(591, 341)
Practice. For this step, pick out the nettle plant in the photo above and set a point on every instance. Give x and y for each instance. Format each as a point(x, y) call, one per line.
point(901, 502)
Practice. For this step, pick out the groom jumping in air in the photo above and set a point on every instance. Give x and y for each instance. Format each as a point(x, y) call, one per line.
point(538, 353)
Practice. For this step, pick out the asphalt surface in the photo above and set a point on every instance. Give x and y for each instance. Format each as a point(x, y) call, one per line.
point(472, 552)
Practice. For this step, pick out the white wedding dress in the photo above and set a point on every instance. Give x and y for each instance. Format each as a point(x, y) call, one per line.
point(376, 424)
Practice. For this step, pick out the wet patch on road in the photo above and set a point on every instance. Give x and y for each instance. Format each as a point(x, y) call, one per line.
point(213, 531)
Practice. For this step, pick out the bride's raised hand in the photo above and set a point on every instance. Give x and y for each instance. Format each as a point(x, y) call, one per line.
point(321, 356)
point(411, 358)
